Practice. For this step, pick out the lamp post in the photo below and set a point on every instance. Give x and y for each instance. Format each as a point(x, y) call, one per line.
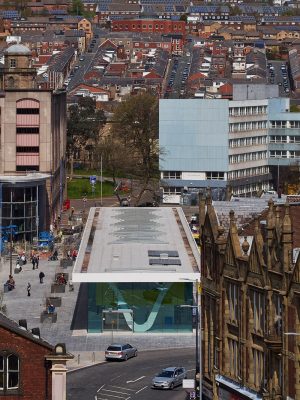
point(198, 308)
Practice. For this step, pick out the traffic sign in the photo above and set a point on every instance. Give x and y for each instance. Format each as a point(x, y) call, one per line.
point(93, 179)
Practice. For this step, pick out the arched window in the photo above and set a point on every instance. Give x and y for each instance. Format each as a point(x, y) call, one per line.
point(9, 373)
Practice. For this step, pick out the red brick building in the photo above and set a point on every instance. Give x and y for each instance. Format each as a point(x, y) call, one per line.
point(25, 362)
point(174, 29)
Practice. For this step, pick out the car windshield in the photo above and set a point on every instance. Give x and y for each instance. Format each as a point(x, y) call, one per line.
point(114, 348)
point(165, 374)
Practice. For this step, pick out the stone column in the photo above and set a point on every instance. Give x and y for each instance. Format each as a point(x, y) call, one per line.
point(59, 381)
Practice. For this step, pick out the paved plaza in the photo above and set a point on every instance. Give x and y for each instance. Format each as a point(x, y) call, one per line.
point(86, 348)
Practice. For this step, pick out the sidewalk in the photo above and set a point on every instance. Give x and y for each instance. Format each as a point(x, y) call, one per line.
point(88, 349)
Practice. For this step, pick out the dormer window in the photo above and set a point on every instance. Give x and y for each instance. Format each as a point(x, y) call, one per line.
point(13, 63)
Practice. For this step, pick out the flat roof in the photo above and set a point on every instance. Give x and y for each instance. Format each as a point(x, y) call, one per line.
point(137, 244)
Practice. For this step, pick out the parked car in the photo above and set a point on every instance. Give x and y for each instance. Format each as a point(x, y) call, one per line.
point(81, 58)
point(169, 377)
point(121, 351)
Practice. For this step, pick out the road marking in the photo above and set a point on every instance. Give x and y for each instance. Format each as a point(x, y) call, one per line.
point(113, 379)
point(141, 389)
point(119, 387)
point(189, 370)
point(100, 388)
point(117, 397)
point(138, 379)
point(114, 391)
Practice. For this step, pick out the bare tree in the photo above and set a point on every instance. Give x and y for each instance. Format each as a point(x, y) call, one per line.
point(132, 149)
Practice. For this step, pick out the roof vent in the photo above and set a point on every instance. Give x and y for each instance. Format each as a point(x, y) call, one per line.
point(36, 332)
point(23, 323)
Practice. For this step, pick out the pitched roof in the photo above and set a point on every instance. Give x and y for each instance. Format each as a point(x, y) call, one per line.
point(12, 326)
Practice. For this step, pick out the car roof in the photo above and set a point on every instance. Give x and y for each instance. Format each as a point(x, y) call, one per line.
point(118, 344)
point(171, 368)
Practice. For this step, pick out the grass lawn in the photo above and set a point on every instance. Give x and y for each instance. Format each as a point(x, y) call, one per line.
point(78, 188)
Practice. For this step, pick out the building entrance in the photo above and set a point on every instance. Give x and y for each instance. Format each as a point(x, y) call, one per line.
point(117, 320)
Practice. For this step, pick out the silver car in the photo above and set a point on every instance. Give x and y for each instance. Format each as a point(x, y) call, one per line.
point(168, 378)
point(117, 351)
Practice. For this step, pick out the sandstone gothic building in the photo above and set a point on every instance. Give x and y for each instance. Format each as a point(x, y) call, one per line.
point(251, 304)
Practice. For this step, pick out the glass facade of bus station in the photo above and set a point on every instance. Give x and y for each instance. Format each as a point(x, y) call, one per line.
point(140, 307)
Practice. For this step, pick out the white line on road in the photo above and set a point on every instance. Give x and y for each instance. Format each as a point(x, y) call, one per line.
point(112, 395)
point(116, 377)
point(100, 388)
point(141, 389)
point(138, 379)
point(119, 387)
point(189, 370)
point(114, 391)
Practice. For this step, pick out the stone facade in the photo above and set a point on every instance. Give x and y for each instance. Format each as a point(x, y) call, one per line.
point(251, 304)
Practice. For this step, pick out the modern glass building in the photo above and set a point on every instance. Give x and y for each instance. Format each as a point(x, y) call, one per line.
point(139, 265)
point(140, 307)
point(23, 204)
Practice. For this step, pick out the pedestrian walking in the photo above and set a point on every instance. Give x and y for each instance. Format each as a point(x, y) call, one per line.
point(41, 276)
point(28, 289)
point(33, 261)
point(37, 260)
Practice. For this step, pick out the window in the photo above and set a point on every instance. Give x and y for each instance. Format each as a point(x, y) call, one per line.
point(233, 302)
point(9, 373)
point(28, 111)
point(27, 130)
point(258, 367)
point(172, 175)
point(258, 308)
point(172, 190)
point(233, 357)
point(278, 313)
point(24, 149)
point(12, 63)
point(215, 175)
point(27, 168)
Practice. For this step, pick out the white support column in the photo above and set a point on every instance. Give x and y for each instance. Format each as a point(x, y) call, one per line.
point(59, 381)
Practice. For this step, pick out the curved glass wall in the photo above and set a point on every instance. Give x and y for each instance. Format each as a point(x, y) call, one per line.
point(140, 307)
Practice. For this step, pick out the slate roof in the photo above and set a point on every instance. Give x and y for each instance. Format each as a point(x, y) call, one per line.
point(12, 326)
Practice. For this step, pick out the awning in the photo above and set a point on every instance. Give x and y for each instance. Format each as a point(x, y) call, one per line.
point(243, 390)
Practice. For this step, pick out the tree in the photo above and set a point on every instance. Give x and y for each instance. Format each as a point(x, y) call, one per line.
point(84, 124)
point(77, 7)
point(133, 148)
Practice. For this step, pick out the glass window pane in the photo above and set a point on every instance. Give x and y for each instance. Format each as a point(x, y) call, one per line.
point(12, 363)
point(1, 380)
point(13, 380)
point(1, 363)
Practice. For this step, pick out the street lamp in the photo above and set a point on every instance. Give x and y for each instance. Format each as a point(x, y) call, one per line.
point(198, 308)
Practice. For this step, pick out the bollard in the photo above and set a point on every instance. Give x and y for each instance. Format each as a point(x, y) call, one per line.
point(93, 357)
point(78, 359)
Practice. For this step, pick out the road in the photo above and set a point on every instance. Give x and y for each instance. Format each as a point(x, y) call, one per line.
point(130, 380)
point(278, 78)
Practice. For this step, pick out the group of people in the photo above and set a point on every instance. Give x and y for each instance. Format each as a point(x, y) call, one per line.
point(35, 259)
